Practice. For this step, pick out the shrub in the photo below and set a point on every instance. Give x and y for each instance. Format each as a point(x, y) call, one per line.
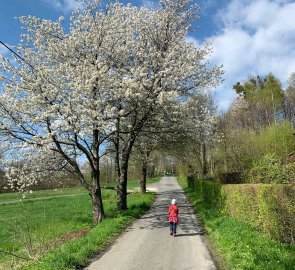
point(238, 245)
point(209, 191)
point(270, 170)
point(191, 181)
point(268, 207)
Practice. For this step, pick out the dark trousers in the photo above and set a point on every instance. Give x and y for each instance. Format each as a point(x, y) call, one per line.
point(173, 226)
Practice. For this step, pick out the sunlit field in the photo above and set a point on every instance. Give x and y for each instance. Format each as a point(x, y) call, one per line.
point(46, 219)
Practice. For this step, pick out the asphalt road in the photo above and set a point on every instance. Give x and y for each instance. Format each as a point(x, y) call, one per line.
point(147, 244)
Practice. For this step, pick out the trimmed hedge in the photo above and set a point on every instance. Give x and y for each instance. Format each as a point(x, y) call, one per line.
point(269, 208)
point(210, 192)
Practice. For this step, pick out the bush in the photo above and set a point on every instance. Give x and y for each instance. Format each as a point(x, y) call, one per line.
point(3, 183)
point(212, 193)
point(268, 207)
point(289, 173)
point(191, 182)
point(209, 191)
point(238, 245)
point(270, 170)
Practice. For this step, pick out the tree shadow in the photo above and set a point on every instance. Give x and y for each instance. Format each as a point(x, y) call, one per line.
point(157, 216)
point(189, 234)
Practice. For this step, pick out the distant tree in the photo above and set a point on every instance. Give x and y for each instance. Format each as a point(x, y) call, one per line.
point(290, 100)
point(143, 149)
point(25, 173)
point(264, 99)
point(2, 178)
point(196, 134)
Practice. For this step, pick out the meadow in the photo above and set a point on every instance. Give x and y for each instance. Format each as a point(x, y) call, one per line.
point(31, 231)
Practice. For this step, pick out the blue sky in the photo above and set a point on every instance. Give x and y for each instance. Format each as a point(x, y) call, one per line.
point(249, 37)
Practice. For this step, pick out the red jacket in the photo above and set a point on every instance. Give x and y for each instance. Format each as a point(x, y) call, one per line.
point(173, 213)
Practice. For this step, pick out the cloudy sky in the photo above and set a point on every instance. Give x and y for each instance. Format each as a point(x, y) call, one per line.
point(249, 37)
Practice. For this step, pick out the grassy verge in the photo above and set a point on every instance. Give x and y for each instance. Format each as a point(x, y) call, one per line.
point(76, 253)
point(134, 184)
point(40, 230)
point(238, 245)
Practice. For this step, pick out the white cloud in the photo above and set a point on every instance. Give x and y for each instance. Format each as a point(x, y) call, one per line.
point(65, 6)
point(256, 37)
point(193, 40)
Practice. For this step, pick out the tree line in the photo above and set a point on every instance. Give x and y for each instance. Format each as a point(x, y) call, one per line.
point(254, 140)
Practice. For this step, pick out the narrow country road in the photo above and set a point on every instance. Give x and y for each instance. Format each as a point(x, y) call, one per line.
point(147, 244)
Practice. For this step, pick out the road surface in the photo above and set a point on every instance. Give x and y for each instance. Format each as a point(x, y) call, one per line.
point(148, 245)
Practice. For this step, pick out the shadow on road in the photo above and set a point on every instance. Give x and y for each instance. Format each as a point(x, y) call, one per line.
point(189, 234)
point(158, 215)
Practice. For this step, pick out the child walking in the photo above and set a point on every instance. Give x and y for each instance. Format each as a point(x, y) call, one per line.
point(173, 217)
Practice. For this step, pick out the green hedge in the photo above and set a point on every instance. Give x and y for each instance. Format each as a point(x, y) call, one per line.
point(211, 192)
point(269, 208)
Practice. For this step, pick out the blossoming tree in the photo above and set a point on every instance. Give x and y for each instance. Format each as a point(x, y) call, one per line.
point(71, 91)
point(162, 68)
point(60, 95)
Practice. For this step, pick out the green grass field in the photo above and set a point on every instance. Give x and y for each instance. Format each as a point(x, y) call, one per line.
point(237, 245)
point(29, 229)
point(41, 193)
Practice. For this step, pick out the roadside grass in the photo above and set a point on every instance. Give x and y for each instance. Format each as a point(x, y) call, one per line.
point(40, 230)
point(76, 253)
point(237, 245)
point(132, 183)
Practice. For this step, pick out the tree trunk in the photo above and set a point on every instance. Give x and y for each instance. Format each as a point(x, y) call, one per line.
point(191, 171)
point(121, 171)
point(143, 179)
point(122, 176)
point(204, 159)
point(122, 188)
point(97, 205)
point(225, 167)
